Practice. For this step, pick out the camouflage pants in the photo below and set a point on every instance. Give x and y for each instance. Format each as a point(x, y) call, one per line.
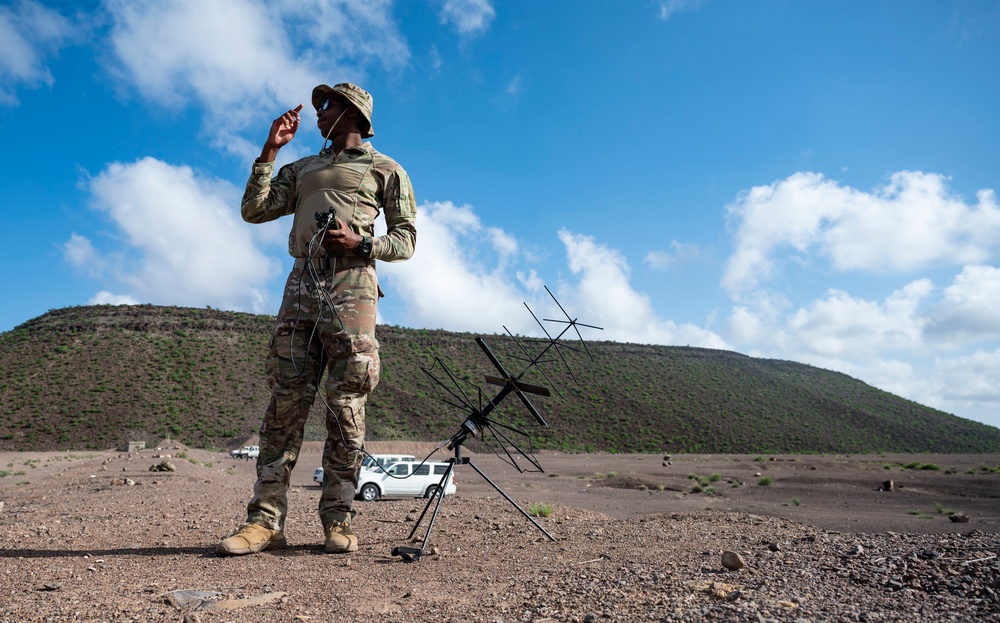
point(308, 339)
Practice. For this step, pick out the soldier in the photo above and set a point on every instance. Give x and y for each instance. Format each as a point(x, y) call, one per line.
point(327, 315)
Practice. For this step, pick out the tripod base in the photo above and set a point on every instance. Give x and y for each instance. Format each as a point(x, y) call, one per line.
point(411, 554)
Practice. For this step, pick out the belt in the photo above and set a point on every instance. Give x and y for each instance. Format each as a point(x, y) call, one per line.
point(325, 263)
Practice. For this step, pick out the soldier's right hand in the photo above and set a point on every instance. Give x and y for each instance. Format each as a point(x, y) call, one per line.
point(284, 127)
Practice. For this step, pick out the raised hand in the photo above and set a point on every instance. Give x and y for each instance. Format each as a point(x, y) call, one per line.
point(281, 133)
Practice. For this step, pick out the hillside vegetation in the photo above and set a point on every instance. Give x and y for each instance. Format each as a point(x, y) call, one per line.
point(93, 377)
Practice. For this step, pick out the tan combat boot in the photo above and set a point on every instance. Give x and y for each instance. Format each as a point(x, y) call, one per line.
point(340, 538)
point(249, 539)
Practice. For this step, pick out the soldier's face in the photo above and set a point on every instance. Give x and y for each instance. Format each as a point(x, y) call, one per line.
point(333, 108)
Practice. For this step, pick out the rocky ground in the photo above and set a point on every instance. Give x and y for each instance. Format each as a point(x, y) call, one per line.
point(99, 537)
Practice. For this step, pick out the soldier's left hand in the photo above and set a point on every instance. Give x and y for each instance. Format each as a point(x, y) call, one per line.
point(341, 239)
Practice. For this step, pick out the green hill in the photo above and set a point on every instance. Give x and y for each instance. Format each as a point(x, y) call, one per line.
point(92, 377)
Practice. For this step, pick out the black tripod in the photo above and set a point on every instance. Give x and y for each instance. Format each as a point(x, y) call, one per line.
point(472, 426)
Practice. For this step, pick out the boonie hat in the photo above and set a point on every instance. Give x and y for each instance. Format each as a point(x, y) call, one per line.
point(361, 99)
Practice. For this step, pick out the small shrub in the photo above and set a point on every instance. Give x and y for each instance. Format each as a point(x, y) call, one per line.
point(796, 501)
point(696, 489)
point(930, 466)
point(765, 481)
point(715, 478)
point(940, 508)
point(541, 510)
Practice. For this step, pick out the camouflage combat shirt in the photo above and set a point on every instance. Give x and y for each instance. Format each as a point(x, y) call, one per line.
point(358, 184)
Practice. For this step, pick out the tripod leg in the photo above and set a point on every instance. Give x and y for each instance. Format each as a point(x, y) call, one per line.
point(508, 498)
point(439, 493)
point(410, 554)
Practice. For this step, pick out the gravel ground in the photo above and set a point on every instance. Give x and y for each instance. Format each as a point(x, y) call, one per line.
point(99, 537)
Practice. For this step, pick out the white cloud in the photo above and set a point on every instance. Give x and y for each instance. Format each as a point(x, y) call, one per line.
point(462, 278)
point(838, 331)
point(671, 7)
point(107, 298)
point(842, 326)
point(180, 241)
point(514, 88)
point(603, 296)
point(678, 254)
point(755, 319)
point(458, 278)
point(79, 252)
point(434, 57)
point(28, 31)
point(969, 307)
point(973, 378)
point(469, 17)
point(914, 343)
point(237, 59)
point(912, 222)
point(937, 346)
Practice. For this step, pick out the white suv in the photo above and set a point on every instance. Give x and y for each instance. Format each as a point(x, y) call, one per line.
point(379, 461)
point(246, 452)
point(404, 479)
point(401, 479)
point(375, 462)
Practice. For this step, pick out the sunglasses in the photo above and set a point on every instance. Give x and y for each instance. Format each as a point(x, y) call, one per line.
point(332, 101)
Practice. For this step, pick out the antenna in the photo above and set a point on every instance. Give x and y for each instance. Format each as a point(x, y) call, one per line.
point(483, 419)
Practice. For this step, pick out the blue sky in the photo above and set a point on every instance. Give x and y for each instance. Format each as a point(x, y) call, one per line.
point(804, 180)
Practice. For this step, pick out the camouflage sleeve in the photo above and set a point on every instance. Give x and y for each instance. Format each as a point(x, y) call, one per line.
point(400, 218)
point(265, 199)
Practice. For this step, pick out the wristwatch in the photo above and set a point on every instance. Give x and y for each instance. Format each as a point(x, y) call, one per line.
point(365, 248)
